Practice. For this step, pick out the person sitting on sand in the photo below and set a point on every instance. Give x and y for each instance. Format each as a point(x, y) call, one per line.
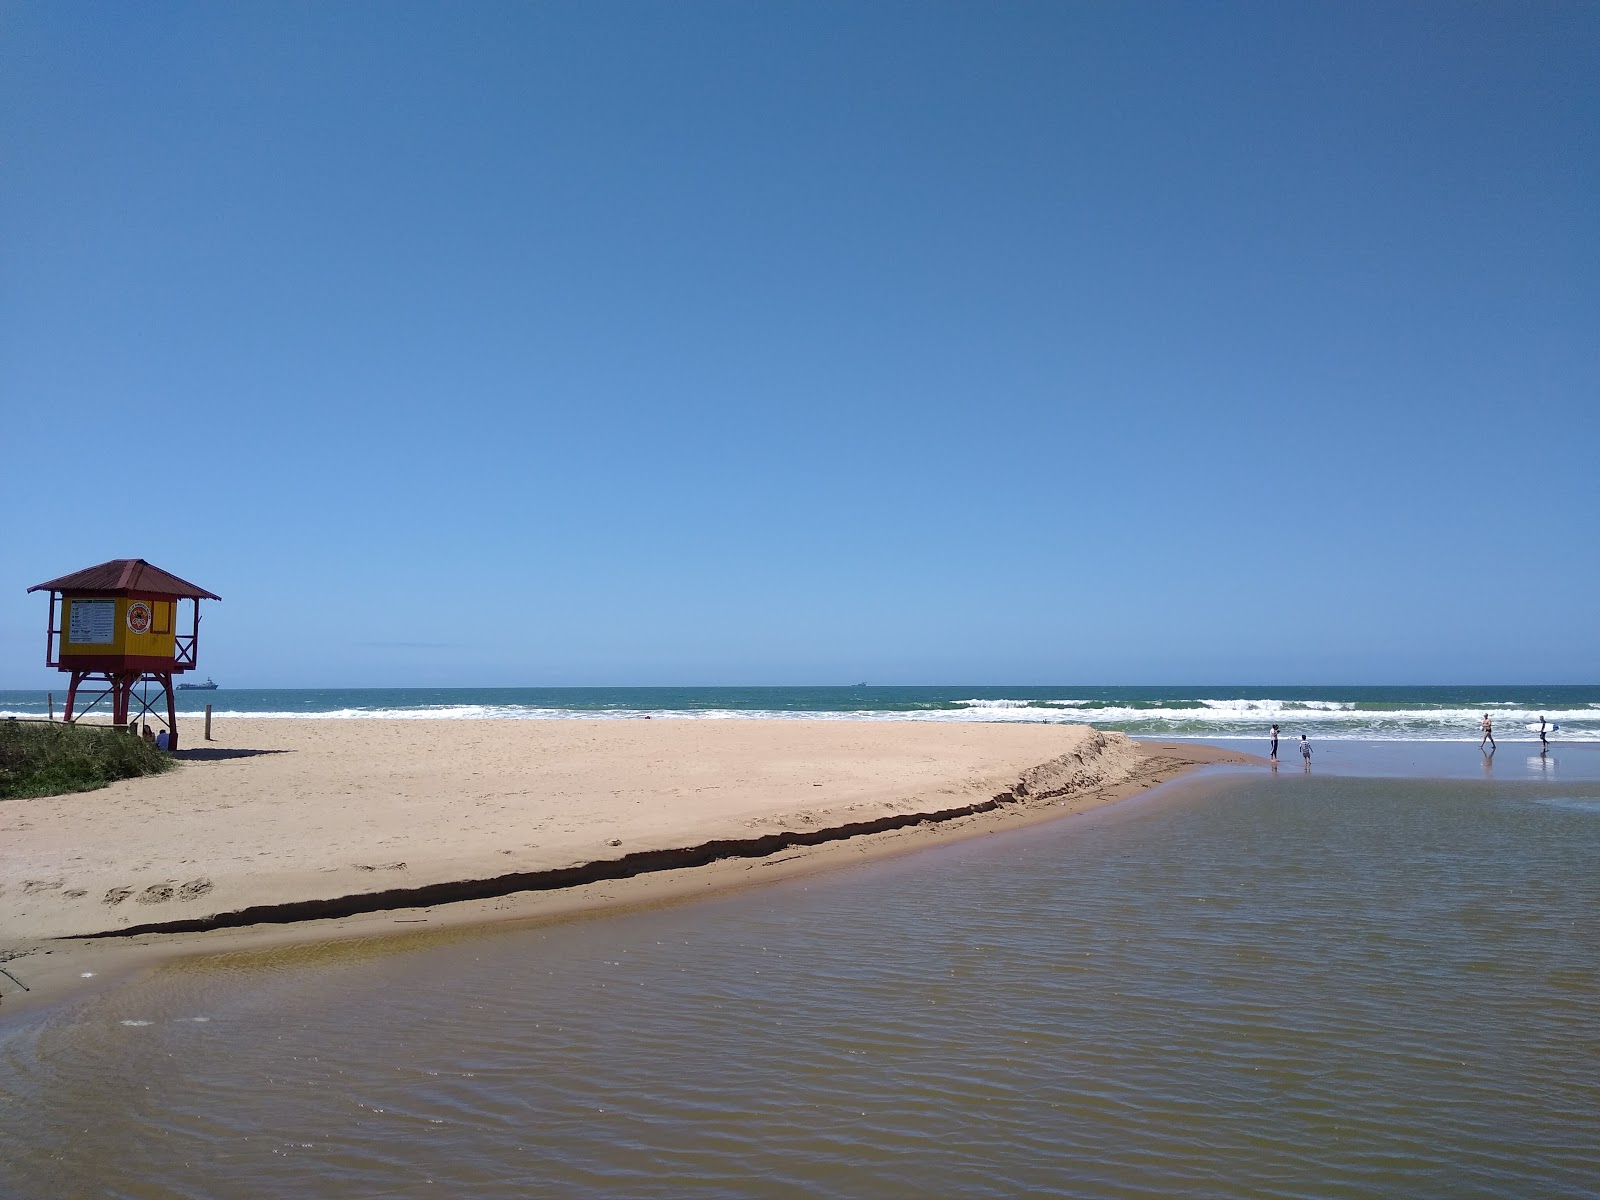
point(163, 740)
point(1488, 732)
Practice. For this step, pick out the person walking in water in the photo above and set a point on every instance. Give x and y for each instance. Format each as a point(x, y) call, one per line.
point(1488, 733)
point(1544, 742)
point(1305, 751)
point(1273, 754)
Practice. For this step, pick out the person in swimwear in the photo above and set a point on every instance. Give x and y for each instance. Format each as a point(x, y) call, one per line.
point(1544, 742)
point(1488, 732)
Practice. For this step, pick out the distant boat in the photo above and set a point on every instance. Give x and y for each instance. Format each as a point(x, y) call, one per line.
point(209, 685)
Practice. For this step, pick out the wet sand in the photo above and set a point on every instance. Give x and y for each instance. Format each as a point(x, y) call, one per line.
point(305, 830)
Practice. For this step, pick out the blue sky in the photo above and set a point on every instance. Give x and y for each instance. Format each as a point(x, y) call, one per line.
point(788, 343)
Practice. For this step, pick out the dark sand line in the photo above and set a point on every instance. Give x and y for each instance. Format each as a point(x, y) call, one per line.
point(640, 862)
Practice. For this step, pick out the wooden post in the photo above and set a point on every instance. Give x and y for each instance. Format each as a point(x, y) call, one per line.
point(208, 722)
point(50, 701)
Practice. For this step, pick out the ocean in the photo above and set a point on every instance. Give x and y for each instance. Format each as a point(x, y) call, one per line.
point(1210, 713)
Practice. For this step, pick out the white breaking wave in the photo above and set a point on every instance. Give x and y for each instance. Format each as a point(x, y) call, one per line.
point(1270, 707)
point(1329, 721)
point(1209, 718)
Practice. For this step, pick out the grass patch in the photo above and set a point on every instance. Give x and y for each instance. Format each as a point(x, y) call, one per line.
point(41, 758)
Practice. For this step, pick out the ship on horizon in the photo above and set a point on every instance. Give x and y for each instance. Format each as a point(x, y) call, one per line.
point(210, 685)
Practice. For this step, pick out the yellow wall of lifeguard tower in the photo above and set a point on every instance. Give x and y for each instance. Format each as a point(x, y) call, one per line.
point(117, 625)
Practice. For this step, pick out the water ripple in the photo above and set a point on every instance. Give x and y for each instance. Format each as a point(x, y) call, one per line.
point(1299, 987)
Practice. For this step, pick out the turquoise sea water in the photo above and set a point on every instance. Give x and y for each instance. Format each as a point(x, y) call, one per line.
point(1324, 713)
point(1261, 985)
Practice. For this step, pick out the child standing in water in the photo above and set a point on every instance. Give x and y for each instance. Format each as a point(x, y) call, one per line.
point(1488, 732)
point(1305, 751)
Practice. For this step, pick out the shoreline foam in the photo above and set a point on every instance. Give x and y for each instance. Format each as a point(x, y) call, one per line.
point(1357, 713)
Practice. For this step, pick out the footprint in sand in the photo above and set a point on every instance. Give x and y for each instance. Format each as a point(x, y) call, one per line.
point(194, 889)
point(156, 893)
point(117, 895)
point(30, 886)
point(74, 894)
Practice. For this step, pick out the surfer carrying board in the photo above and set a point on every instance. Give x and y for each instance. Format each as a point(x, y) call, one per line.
point(1488, 732)
point(1543, 729)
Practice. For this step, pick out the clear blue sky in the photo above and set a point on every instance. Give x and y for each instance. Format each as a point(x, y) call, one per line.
point(811, 342)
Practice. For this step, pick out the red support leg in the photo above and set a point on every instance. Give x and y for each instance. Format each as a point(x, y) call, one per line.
point(172, 713)
point(72, 697)
point(122, 699)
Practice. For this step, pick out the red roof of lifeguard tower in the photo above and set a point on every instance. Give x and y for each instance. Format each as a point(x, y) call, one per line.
point(124, 576)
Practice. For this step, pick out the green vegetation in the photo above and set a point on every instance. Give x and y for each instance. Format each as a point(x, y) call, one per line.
point(39, 758)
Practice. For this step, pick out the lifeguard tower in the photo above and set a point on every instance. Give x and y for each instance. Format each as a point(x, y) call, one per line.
point(117, 625)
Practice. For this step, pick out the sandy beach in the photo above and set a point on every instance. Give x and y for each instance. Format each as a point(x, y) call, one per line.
point(280, 822)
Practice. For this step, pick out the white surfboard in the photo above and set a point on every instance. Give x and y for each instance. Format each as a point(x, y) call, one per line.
point(1549, 727)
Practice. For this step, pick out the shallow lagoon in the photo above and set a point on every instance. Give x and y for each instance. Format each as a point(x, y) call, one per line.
point(1253, 985)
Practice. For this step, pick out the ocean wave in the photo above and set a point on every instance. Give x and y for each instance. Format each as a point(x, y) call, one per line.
point(1326, 724)
point(1271, 707)
point(1172, 717)
point(438, 712)
point(1254, 706)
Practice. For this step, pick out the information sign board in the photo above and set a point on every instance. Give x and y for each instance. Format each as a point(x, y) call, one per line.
point(92, 622)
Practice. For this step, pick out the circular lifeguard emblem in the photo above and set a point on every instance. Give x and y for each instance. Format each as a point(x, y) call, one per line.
point(139, 617)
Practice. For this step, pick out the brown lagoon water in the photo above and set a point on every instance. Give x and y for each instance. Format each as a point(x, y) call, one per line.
point(1266, 986)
